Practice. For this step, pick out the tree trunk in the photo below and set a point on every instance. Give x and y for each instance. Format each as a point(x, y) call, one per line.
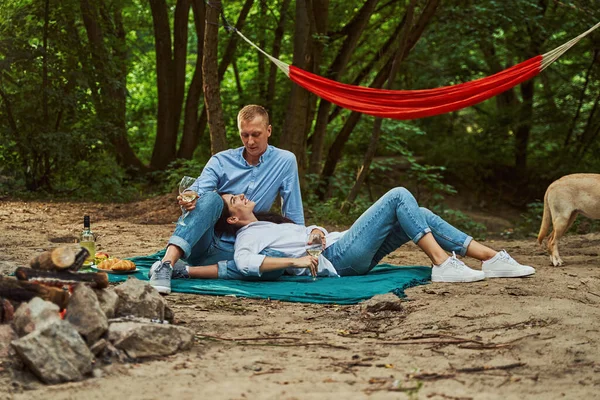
point(335, 151)
point(230, 49)
point(212, 93)
point(45, 87)
point(165, 145)
point(273, 70)
point(336, 69)
point(297, 108)
point(191, 132)
point(262, 43)
point(581, 101)
point(109, 79)
point(310, 28)
point(374, 143)
point(180, 42)
point(524, 127)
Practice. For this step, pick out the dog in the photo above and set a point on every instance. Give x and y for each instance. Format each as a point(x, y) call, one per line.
point(564, 199)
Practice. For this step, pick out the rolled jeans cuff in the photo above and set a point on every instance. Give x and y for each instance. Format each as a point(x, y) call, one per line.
point(420, 235)
point(223, 269)
point(182, 244)
point(465, 246)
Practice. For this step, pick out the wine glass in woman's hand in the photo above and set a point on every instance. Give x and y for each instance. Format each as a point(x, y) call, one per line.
point(186, 195)
point(314, 247)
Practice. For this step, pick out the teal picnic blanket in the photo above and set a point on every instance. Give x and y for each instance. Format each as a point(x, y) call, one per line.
point(384, 278)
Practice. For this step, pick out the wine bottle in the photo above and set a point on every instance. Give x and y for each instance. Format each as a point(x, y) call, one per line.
point(88, 241)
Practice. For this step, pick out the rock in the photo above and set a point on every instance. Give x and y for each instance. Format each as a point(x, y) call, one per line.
point(85, 314)
point(140, 299)
point(382, 302)
point(98, 347)
point(55, 353)
point(33, 315)
point(109, 301)
point(149, 339)
point(7, 335)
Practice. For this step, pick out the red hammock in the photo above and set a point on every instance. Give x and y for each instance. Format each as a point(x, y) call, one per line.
point(412, 104)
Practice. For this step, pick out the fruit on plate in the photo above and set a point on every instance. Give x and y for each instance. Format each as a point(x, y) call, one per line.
point(100, 256)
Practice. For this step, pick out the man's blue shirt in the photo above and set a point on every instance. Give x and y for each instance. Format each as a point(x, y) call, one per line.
point(275, 174)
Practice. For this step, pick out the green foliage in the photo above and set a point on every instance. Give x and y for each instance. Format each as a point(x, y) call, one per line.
point(531, 220)
point(169, 179)
point(69, 149)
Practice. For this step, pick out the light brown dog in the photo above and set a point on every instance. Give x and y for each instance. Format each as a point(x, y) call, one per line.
point(564, 199)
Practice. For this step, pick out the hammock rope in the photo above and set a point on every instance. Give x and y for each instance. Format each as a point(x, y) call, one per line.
point(412, 104)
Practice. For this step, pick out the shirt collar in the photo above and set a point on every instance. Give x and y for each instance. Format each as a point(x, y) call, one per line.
point(261, 159)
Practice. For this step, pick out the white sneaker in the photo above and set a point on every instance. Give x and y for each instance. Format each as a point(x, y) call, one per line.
point(454, 270)
point(502, 265)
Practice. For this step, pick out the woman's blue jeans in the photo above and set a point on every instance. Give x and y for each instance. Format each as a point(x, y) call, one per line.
point(392, 221)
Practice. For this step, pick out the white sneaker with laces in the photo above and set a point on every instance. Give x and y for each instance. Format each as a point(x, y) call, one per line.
point(502, 265)
point(454, 270)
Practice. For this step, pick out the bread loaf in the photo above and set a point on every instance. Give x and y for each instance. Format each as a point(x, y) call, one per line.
point(116, 264)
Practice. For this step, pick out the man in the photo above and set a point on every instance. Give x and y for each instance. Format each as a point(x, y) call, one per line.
point(260, 171)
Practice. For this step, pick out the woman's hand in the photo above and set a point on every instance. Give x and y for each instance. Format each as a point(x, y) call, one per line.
point(186, 205)
point(307, 262)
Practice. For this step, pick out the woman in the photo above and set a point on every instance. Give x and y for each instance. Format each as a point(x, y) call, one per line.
point(263, 250)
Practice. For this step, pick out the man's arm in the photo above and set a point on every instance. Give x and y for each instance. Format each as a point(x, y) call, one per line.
point(290, 194)
point(209, 178)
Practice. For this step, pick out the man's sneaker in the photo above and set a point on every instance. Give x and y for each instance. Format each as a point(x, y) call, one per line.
point(160, 276)
point(454, 270)
point(502, 265)
point(180, 270)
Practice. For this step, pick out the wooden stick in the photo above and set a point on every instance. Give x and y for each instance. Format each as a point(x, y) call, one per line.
point(7, 311)
point(491, 367)
point(98, 280)
point(57, 259)
point(24, 291)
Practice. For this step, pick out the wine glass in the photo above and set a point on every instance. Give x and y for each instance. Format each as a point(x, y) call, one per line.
point(187, 195)
point(314, 247)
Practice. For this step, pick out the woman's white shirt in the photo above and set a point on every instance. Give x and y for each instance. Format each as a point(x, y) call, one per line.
point(289, 239)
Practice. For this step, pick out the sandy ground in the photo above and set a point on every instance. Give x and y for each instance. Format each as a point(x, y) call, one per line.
point(498, 339)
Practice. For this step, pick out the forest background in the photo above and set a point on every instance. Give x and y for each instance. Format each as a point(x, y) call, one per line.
point(116, 100)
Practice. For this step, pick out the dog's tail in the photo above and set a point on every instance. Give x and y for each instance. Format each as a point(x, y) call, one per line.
point(546, 220)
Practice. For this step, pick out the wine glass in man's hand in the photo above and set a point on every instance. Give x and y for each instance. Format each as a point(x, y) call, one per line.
point(314, 247)
point(187, 195)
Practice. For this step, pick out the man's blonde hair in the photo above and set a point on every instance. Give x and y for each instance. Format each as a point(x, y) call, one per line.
point(251, 111)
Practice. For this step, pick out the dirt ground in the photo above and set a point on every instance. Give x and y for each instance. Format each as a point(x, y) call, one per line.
point(497, 339)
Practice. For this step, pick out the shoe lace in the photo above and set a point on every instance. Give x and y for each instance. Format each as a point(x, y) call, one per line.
point(455, 262)
point(163, 271)
point(507, 258)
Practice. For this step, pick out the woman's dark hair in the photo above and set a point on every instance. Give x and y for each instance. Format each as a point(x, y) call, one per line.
point(223, 226)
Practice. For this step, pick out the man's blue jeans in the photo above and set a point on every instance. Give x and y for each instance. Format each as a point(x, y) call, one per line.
point(197, 239)
point(392, 221)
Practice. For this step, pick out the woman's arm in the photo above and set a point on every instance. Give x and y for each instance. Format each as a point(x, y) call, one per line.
point(277, 263)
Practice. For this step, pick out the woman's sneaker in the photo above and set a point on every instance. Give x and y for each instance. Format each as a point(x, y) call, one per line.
point(454, 270)
point(502, 265)
point(180, 271)
point(160, 276)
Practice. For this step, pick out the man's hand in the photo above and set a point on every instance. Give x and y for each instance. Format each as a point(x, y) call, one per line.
point(187, 205)
point(307, 262)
